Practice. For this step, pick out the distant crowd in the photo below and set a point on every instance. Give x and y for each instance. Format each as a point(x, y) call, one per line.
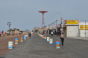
point(50, 32)
point(2, 33)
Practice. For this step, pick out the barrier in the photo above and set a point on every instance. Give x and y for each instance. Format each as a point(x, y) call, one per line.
point(48, 38)
point(10, 45)
point(26, 37)
point(58, 44)
point(21, 40)
point(50, 41)
point(16, 40)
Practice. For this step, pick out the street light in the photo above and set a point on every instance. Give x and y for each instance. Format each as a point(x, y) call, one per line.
point(9, 25)
point(85, 28)
point(61, 26)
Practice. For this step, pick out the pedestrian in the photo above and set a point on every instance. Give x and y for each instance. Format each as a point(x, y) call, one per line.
point(52, 33)
point(0, 34)
point(29, 35)
point(62, 39)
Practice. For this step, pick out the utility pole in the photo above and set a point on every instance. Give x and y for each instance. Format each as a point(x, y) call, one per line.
point(56, 22)
point(85, 29)
point(9, 25)
point(61, 26)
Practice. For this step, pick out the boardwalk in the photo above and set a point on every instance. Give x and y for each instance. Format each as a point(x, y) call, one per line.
point(37, 47)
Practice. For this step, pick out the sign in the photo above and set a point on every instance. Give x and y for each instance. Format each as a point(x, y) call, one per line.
point(83, 27)
point(71, 21)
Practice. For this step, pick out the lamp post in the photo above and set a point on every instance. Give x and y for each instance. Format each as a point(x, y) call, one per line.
point(9, 25)
point(43, 22)
point(85, 28)
point(56, 22)
point(61, 26)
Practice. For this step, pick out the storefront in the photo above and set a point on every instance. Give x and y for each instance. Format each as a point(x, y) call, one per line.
point(83, 27)
point(72, 28)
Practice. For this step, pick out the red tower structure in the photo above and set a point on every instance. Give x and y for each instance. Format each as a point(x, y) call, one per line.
point(43, 12)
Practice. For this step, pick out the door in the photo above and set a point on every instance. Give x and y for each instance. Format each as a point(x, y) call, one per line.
point(72, 31)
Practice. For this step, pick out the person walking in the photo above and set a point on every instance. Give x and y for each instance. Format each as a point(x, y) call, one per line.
point(52, 33)
point(62, 39)
point(29, 35)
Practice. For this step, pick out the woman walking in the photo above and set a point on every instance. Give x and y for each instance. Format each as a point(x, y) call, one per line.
point(62, 39)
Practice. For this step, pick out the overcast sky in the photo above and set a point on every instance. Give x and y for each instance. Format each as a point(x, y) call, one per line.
point(24, 13)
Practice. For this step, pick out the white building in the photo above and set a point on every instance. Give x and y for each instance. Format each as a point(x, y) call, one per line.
point(83, 27)
point(72, 28)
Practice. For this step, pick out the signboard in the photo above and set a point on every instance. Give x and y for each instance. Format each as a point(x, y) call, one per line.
point(71, 21)
point(83, 27)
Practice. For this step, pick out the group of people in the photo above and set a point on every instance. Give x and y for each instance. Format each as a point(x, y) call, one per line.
point(2, 33)
point(56, 32)
point(59, 33)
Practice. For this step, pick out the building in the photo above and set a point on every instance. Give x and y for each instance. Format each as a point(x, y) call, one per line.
point(83, 27)
point(72, 28)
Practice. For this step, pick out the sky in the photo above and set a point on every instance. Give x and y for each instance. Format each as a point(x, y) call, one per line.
point(23, 14)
